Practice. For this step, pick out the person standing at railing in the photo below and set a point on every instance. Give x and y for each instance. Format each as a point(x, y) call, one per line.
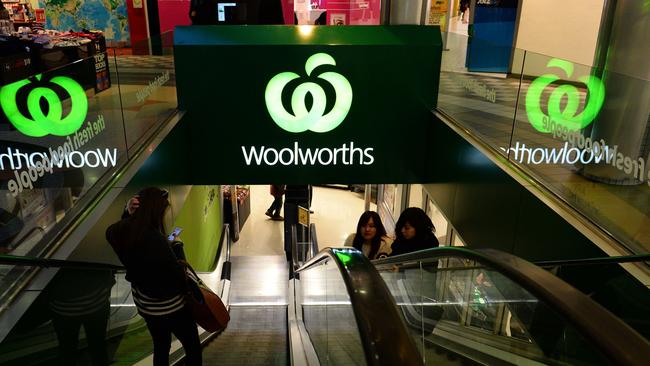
point(371, 238)
point(414, 231)
point(157, 279)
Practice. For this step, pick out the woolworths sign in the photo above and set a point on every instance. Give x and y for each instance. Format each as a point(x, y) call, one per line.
point(310, 104)
point(314, 119)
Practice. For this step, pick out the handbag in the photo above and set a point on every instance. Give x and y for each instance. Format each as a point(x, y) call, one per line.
point(207, 308)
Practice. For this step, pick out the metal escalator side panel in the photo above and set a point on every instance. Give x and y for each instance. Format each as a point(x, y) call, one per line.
point(352, 285)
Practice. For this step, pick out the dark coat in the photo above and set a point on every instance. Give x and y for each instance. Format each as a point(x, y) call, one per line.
point(150, 263)
point(403, 246)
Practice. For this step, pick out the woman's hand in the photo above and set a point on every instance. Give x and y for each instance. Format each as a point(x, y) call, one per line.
point(133, 204)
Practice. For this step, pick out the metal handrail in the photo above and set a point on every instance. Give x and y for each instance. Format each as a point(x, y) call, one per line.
point(598, 260)
point(54, 263)
point(294, 250)
point(15, 260)
point(614, 338)
point(227, 240)
point(313, 248)
point(424, 258)
point(226, 229)
point(385, 338)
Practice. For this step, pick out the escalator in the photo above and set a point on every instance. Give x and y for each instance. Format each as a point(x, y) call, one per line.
point(458, 307)
point(449, 306)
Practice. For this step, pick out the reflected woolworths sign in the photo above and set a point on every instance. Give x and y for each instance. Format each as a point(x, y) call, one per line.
point(59, 137)
point(308, 104)
point(40, 121)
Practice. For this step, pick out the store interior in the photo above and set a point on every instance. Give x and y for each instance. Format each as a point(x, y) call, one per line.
point(336, 210)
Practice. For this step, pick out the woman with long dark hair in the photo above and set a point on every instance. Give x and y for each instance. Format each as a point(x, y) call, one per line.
point(370, 237)
point(157, 278)
point(413, 231)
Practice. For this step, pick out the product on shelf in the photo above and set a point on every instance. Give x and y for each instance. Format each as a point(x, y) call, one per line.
point(31, 50)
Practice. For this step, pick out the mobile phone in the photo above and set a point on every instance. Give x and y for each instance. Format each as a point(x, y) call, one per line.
point(175, 233)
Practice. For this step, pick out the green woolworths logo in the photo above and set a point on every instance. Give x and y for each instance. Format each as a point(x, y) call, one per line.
point(41, 124)
point(312, 119)
point(567, 117)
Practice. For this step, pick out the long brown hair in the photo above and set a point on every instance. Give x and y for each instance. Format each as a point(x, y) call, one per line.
point(151, 213)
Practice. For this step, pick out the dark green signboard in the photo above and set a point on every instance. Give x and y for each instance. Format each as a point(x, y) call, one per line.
point(307, 104)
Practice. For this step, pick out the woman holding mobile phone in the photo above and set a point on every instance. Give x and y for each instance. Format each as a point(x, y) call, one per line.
point(157, 278)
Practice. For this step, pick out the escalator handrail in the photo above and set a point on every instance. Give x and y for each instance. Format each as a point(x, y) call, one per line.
point(313, 248)
point(613, 337)
point(595, 261)
point(548, 264)
point(16, 260)
point(385, 338)
point(421, 255)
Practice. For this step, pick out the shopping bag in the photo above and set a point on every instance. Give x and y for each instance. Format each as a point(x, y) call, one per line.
point(207, 308)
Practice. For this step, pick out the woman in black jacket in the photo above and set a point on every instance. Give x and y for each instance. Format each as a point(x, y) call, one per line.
point(413, 231)
point(157, 279)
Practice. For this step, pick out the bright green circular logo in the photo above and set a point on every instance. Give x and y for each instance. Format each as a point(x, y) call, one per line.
point(567, 117)
point(313, 119)
point(41, 124)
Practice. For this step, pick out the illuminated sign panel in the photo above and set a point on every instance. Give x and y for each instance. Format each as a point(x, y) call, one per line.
point(51, 129)
point(307, 105)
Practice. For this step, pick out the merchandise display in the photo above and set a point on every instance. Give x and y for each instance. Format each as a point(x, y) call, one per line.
point(33, 50)
point(243, 204)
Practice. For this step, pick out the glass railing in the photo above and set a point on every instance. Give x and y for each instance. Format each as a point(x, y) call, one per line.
point(67, 125)
point(85, 315)
point(329, 317)
point(487, 307)
point(610, 282)
point(576, 130)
